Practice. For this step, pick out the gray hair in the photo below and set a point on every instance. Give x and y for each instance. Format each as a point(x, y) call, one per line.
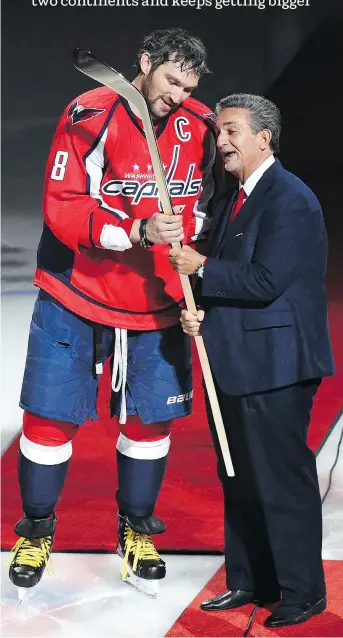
point(263, 114)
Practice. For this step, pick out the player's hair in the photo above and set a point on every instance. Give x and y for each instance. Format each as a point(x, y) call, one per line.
point(175, 44)
point(263, 114)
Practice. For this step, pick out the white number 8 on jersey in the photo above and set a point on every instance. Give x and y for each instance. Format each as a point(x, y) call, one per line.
point(59, 167)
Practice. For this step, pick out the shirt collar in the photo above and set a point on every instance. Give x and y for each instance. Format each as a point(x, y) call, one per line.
point(256, 175)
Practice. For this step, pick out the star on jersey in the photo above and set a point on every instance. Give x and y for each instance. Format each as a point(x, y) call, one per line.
point(135, 167)
point(149, 167)
point(79, 113)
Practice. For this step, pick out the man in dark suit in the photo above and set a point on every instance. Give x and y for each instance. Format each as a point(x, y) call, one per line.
point(262, 288)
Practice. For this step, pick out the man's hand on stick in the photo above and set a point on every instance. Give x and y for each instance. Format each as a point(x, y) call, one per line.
point(185, 260)
point(191, 321)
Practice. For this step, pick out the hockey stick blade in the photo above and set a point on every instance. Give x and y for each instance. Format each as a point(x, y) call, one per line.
point(101, 72)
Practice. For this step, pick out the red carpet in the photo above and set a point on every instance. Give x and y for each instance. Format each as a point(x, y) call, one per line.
point(190, 501)
point(194, 622)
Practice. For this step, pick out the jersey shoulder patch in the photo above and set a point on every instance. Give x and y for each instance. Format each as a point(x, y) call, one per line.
point(79, 113)
point(90, 104)
point(199, 110)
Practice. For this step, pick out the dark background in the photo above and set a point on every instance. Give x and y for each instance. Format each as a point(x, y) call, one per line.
point(295, 57)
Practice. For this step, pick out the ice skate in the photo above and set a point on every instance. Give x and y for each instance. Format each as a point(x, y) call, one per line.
point(142, 566)
point(31, 553)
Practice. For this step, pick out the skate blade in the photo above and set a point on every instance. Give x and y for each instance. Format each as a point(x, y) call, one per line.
point(148, 587)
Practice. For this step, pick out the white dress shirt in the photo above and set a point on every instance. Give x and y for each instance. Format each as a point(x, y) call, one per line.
point(256, 176)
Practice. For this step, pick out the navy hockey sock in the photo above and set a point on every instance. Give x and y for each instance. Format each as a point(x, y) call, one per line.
point(40, 486)
point(139, 484)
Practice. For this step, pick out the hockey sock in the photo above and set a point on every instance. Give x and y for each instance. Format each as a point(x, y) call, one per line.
point(139, 484)
point(141, 468)
point(40, 486)
point(43, 465)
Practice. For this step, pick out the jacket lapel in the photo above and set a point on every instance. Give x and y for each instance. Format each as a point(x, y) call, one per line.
point(250, 206)
point(220, 220)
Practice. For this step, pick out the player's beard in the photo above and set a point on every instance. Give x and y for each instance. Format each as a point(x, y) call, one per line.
point(152, 99)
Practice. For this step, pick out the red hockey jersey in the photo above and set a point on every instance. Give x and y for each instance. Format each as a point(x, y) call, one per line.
point(99, 175)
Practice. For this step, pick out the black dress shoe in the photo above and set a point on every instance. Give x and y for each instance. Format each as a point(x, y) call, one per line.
point(228, 600)
point(294, 614)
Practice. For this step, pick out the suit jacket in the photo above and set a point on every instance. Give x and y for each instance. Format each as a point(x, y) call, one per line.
point(263, 289)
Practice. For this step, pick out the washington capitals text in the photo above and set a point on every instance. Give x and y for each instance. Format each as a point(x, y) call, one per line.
point(135, 189)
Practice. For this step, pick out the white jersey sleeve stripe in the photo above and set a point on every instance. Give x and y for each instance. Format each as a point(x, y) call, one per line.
point(94, 166)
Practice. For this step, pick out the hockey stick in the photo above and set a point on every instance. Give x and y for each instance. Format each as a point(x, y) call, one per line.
point(99, 71)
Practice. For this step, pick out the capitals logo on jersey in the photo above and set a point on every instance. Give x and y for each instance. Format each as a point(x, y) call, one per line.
point(79, 113)
point(133, 188)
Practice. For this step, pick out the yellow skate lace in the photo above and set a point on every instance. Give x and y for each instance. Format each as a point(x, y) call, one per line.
point(33, 552)
point(141, 546)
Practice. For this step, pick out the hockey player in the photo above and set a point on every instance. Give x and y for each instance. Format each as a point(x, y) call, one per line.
point(107, 289)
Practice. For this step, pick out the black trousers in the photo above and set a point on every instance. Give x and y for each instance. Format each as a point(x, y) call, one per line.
point(273, 514)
